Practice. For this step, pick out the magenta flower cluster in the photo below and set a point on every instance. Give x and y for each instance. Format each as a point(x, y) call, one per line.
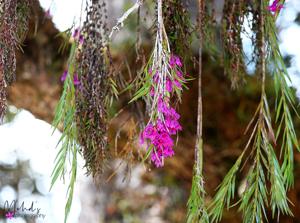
point(160, 131)
point(160, 134)
point(275, 7)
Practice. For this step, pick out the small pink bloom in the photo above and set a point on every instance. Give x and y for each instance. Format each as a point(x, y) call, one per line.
point(48, 14)
point(169, 85)
point(179, 74)
point(172, 61)
point(275, 7)
point(150, 70)
point(172, 114)
point(178, 61)
point(157, 159)
point(177, 83)
point(81, 39)
point(76, 33)
point(64, 76)
point(160, 126)
point(152, 91)
point(162, 106)
point(172, 126)
point(76, 80)
point(149, 132)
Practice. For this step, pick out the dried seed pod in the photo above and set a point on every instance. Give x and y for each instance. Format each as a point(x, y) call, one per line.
point(93, 93)
point(233, 21)
point(13, 26)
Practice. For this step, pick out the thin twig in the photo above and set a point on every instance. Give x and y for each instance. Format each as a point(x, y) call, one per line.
point(120, 21)
point(199, 140)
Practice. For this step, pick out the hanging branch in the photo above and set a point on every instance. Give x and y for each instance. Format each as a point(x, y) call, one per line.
point(120, 21)
point(285, 99)
point(93, 96)
point(13, 29)
point(161, 79)
point(196, 204)
point(65, 117)
point(257, 196)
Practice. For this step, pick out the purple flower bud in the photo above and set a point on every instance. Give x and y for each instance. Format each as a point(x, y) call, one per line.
point(81, 39)
point(76, 80)
point(275, 7)
point(64, 76)
point(152, 91)
point(178, 61)
point(76, 33)
point(169, 85)
point(177, 84)
point(179, 74)
point(172, 61)
point(48, 14)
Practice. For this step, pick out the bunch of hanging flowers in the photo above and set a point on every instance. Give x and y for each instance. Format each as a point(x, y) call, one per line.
point(164, 120)
point(163, 81)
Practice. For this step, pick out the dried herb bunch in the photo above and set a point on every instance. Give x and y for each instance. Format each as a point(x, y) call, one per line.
point(232, 23)
point(13, 27)
point(93, 95)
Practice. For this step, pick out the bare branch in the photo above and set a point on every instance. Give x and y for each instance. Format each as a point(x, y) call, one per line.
point(120, 21)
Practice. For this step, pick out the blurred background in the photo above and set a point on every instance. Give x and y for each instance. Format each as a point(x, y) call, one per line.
point(28, 147)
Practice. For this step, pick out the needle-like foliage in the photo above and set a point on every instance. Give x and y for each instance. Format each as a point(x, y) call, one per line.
point(266, 167)
point(66, 159)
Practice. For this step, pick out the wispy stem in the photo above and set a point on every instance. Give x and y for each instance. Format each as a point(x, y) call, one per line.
point(199, 139)
point(196, 205)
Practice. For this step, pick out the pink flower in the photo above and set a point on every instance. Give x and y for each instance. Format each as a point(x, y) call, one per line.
point(172, 126)
point(178, 61)
point(76, 33)
point(160, 126)
point(64, 76)
point(175, 60)
point(149, 132)
point(172, 114)
point(162, 106)
point(81, 39)
point(161, 140)
point(76, 80)
point(157, 159)
point(169, 85)
point(152, 91)
point(275, 7)
point(48, 14)
point(177, 83)
point(179, 74)
point(168, 152)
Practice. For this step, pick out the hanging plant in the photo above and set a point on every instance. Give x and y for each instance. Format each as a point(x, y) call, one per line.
point(162, 78)
point(266, 168)
point(13, 28)
point(94, 95)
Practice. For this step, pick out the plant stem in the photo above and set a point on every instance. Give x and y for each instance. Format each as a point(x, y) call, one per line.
point(199, 139)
